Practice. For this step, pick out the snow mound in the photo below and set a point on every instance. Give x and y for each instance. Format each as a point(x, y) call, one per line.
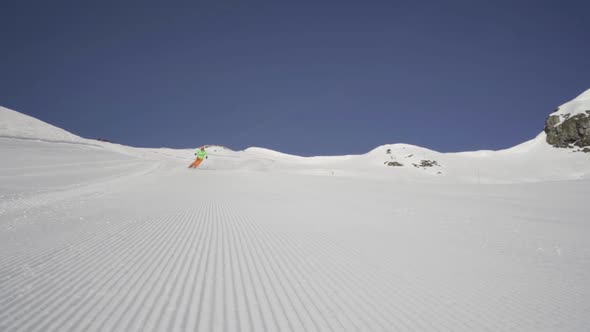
point(17, 125)
point(579, 105)
point(264, 152)
point(400, 148)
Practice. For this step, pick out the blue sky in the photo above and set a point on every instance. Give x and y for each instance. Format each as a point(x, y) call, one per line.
point(302, 77)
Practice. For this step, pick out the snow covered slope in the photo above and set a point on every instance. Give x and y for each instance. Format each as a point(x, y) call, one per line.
point(17, 125)
point(579, 105)
point(112, 238)
point(531, 161)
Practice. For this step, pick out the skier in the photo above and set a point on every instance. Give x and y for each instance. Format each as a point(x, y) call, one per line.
point(201, 154)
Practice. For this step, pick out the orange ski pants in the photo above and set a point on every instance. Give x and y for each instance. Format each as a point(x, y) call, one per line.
point(196, 163)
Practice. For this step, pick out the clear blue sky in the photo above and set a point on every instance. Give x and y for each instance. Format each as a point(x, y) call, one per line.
point(302, 77)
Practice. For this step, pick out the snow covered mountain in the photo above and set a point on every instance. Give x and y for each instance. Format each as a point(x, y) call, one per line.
point(17, 125)
point(531, 161)
point(103, 237)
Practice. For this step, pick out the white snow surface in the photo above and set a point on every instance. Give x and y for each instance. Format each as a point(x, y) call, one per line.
point(17, 125)
point(102, 237)
point(580, 105)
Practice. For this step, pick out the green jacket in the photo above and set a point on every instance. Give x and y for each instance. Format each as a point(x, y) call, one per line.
point(201, 154)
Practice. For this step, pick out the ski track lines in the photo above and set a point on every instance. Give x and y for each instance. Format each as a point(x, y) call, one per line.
point(215, 268)
point(30, 200)
point(208, 269)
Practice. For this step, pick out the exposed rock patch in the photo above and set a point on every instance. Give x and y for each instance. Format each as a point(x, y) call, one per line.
point(566, 131)
point(426, 163)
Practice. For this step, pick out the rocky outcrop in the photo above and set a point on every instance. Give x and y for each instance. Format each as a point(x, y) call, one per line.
point(568, 131)
point(426, 163)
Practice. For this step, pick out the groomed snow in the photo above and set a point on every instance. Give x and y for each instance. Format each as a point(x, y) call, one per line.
point(103, 237)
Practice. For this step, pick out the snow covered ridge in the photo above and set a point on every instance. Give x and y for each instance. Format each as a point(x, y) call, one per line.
point(579, 105)
point(532, 161)
point(17, 125)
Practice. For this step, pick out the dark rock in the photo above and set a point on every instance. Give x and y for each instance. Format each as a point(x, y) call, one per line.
point(573, 130)
point(426, 163)
point(587, 150)
point(394, 164)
